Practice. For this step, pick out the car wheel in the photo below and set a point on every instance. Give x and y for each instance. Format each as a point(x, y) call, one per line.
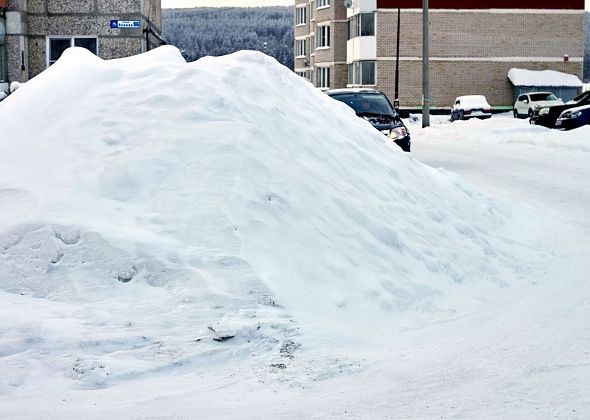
point(530, 113)
point(516, 114)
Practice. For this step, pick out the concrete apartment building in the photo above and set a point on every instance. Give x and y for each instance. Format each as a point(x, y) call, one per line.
point(473, 45)
point(34, 33)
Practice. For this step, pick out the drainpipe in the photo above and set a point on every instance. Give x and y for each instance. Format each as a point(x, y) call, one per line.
point(146, 31)
point(3, 55)
point(396, 99)
point(16, 31)
point(425, 66)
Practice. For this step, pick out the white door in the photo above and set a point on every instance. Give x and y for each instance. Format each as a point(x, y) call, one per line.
point(522, 105)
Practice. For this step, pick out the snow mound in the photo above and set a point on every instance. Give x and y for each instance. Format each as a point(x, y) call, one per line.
point(540, 78)
point(506, 130)
point(163, 212)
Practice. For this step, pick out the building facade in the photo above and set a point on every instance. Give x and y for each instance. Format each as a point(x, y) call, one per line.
point(473, 45)
point(38, 31)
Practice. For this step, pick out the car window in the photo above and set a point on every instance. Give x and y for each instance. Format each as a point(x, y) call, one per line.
point(367, 103)
point(458, 103)
point(543, 97)
point(521, 98)
point(584, 96)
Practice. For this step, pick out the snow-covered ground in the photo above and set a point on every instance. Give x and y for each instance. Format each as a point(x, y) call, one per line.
point(221, 240)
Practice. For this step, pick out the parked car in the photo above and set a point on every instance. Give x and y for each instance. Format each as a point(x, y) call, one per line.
point(573, 118)
point(373, 106)
point(528, 103)
point(547, 116)
point(471, 106)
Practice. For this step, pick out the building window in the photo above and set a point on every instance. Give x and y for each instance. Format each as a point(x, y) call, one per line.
point(323, 3)
point(57, 45)
point(323, 36)
point(3, 64)
point(362, 73)
point(301, 15)
point(300, 48)
point(303, 74)
point(362, 24)
point(322, 77)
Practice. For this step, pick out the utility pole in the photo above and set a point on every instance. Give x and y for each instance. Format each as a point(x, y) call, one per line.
point(425, 66)
point(396, 99)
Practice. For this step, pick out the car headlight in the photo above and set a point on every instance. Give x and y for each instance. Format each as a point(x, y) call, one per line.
point(398, 133)
point(536, 106)
point(570, 115)
point(544, 111)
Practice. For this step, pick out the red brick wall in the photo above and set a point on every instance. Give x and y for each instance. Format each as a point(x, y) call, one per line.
point(483, 4)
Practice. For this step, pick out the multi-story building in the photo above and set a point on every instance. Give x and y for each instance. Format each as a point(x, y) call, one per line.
point(321, 29)
point(473, 45)
point(34, 33)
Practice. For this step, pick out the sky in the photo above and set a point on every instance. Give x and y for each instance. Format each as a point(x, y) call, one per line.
point(240, 3)
point(225, 3)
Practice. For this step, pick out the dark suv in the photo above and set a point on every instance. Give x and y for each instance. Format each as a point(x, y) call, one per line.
point(374, 107)
point(547, 116)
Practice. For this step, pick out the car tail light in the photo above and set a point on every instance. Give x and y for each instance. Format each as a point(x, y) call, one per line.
point(467, 111)
point(487, 110)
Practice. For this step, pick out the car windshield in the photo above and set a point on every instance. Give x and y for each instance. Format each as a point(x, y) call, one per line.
point(583, 97)
point(542, 97)
point(367, 103)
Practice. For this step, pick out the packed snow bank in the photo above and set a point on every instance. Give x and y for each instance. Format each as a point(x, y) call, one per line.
point(157, 215)
point(540, 78)
point(504, 130)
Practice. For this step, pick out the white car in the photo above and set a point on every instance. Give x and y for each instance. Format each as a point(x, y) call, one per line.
point(471, 106)
point(528, 103)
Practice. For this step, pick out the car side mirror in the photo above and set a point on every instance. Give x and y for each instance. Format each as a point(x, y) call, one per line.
point(526, 101)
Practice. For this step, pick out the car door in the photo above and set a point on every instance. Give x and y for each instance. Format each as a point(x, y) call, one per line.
point(519, 103)
point(523, 104)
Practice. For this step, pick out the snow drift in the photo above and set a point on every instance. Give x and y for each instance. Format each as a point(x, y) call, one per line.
point(156, 214)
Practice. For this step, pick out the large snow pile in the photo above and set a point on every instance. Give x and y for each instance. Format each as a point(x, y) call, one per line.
point(541, 78)
point(157, 215)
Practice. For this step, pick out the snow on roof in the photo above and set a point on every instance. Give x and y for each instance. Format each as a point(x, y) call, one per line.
point(523, 77)
point(473, 100)
point(351, 90)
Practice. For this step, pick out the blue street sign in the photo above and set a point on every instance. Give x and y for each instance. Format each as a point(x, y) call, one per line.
point(125, 24)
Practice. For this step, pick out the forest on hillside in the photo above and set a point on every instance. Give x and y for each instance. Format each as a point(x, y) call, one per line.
point(206, 31)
